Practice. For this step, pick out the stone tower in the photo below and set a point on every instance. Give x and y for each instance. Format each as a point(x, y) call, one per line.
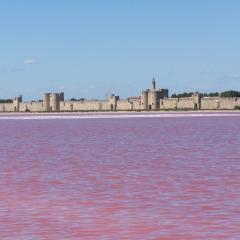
point(196, 101)
point(51, 101)
point(46, 102)
point(16, 103)
point(153, 100)
point(55, 102)
point(113, 102)
point(150, 98)
point(144, 100)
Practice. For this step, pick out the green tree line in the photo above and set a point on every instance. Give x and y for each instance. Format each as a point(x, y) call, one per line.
point(230, 93)
point(6, 101)
point(74, 99)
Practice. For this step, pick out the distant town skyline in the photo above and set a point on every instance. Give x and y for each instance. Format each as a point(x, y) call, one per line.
point(88, 49)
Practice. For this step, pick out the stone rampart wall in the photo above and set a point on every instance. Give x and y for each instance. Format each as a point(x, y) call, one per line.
point(185, 103)
point(31, 107)
point(237, 103)
point(84, 106)
point(207, 103)
point(126, 105)
point(123, 105)
point(136, 105)
point(6, 107)
point(227, 103)
point(168, 104)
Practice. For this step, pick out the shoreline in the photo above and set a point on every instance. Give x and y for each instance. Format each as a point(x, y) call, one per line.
point(124, 111)
point(118, 114)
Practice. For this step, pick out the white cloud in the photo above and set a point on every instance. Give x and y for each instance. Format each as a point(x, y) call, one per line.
point(29, 61)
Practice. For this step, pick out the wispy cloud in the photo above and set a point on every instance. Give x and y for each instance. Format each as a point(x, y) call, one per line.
point(3, 70)
point(16, 69)
point(30, 61)
point(11, 70)
point(231, 77)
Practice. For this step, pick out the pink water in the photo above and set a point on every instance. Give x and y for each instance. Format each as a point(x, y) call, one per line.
point(130, 178)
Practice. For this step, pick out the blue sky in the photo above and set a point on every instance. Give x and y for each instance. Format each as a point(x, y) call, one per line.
point(90, 48)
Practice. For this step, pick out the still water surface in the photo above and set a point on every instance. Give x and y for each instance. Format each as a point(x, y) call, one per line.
point(120, 178)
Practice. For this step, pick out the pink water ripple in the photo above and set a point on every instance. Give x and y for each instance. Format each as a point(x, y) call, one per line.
point(136, 178)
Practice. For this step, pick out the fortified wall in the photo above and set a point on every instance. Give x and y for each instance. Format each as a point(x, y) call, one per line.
point(150, 100)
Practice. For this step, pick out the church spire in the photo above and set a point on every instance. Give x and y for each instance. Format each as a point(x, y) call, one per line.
point(154, 84)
